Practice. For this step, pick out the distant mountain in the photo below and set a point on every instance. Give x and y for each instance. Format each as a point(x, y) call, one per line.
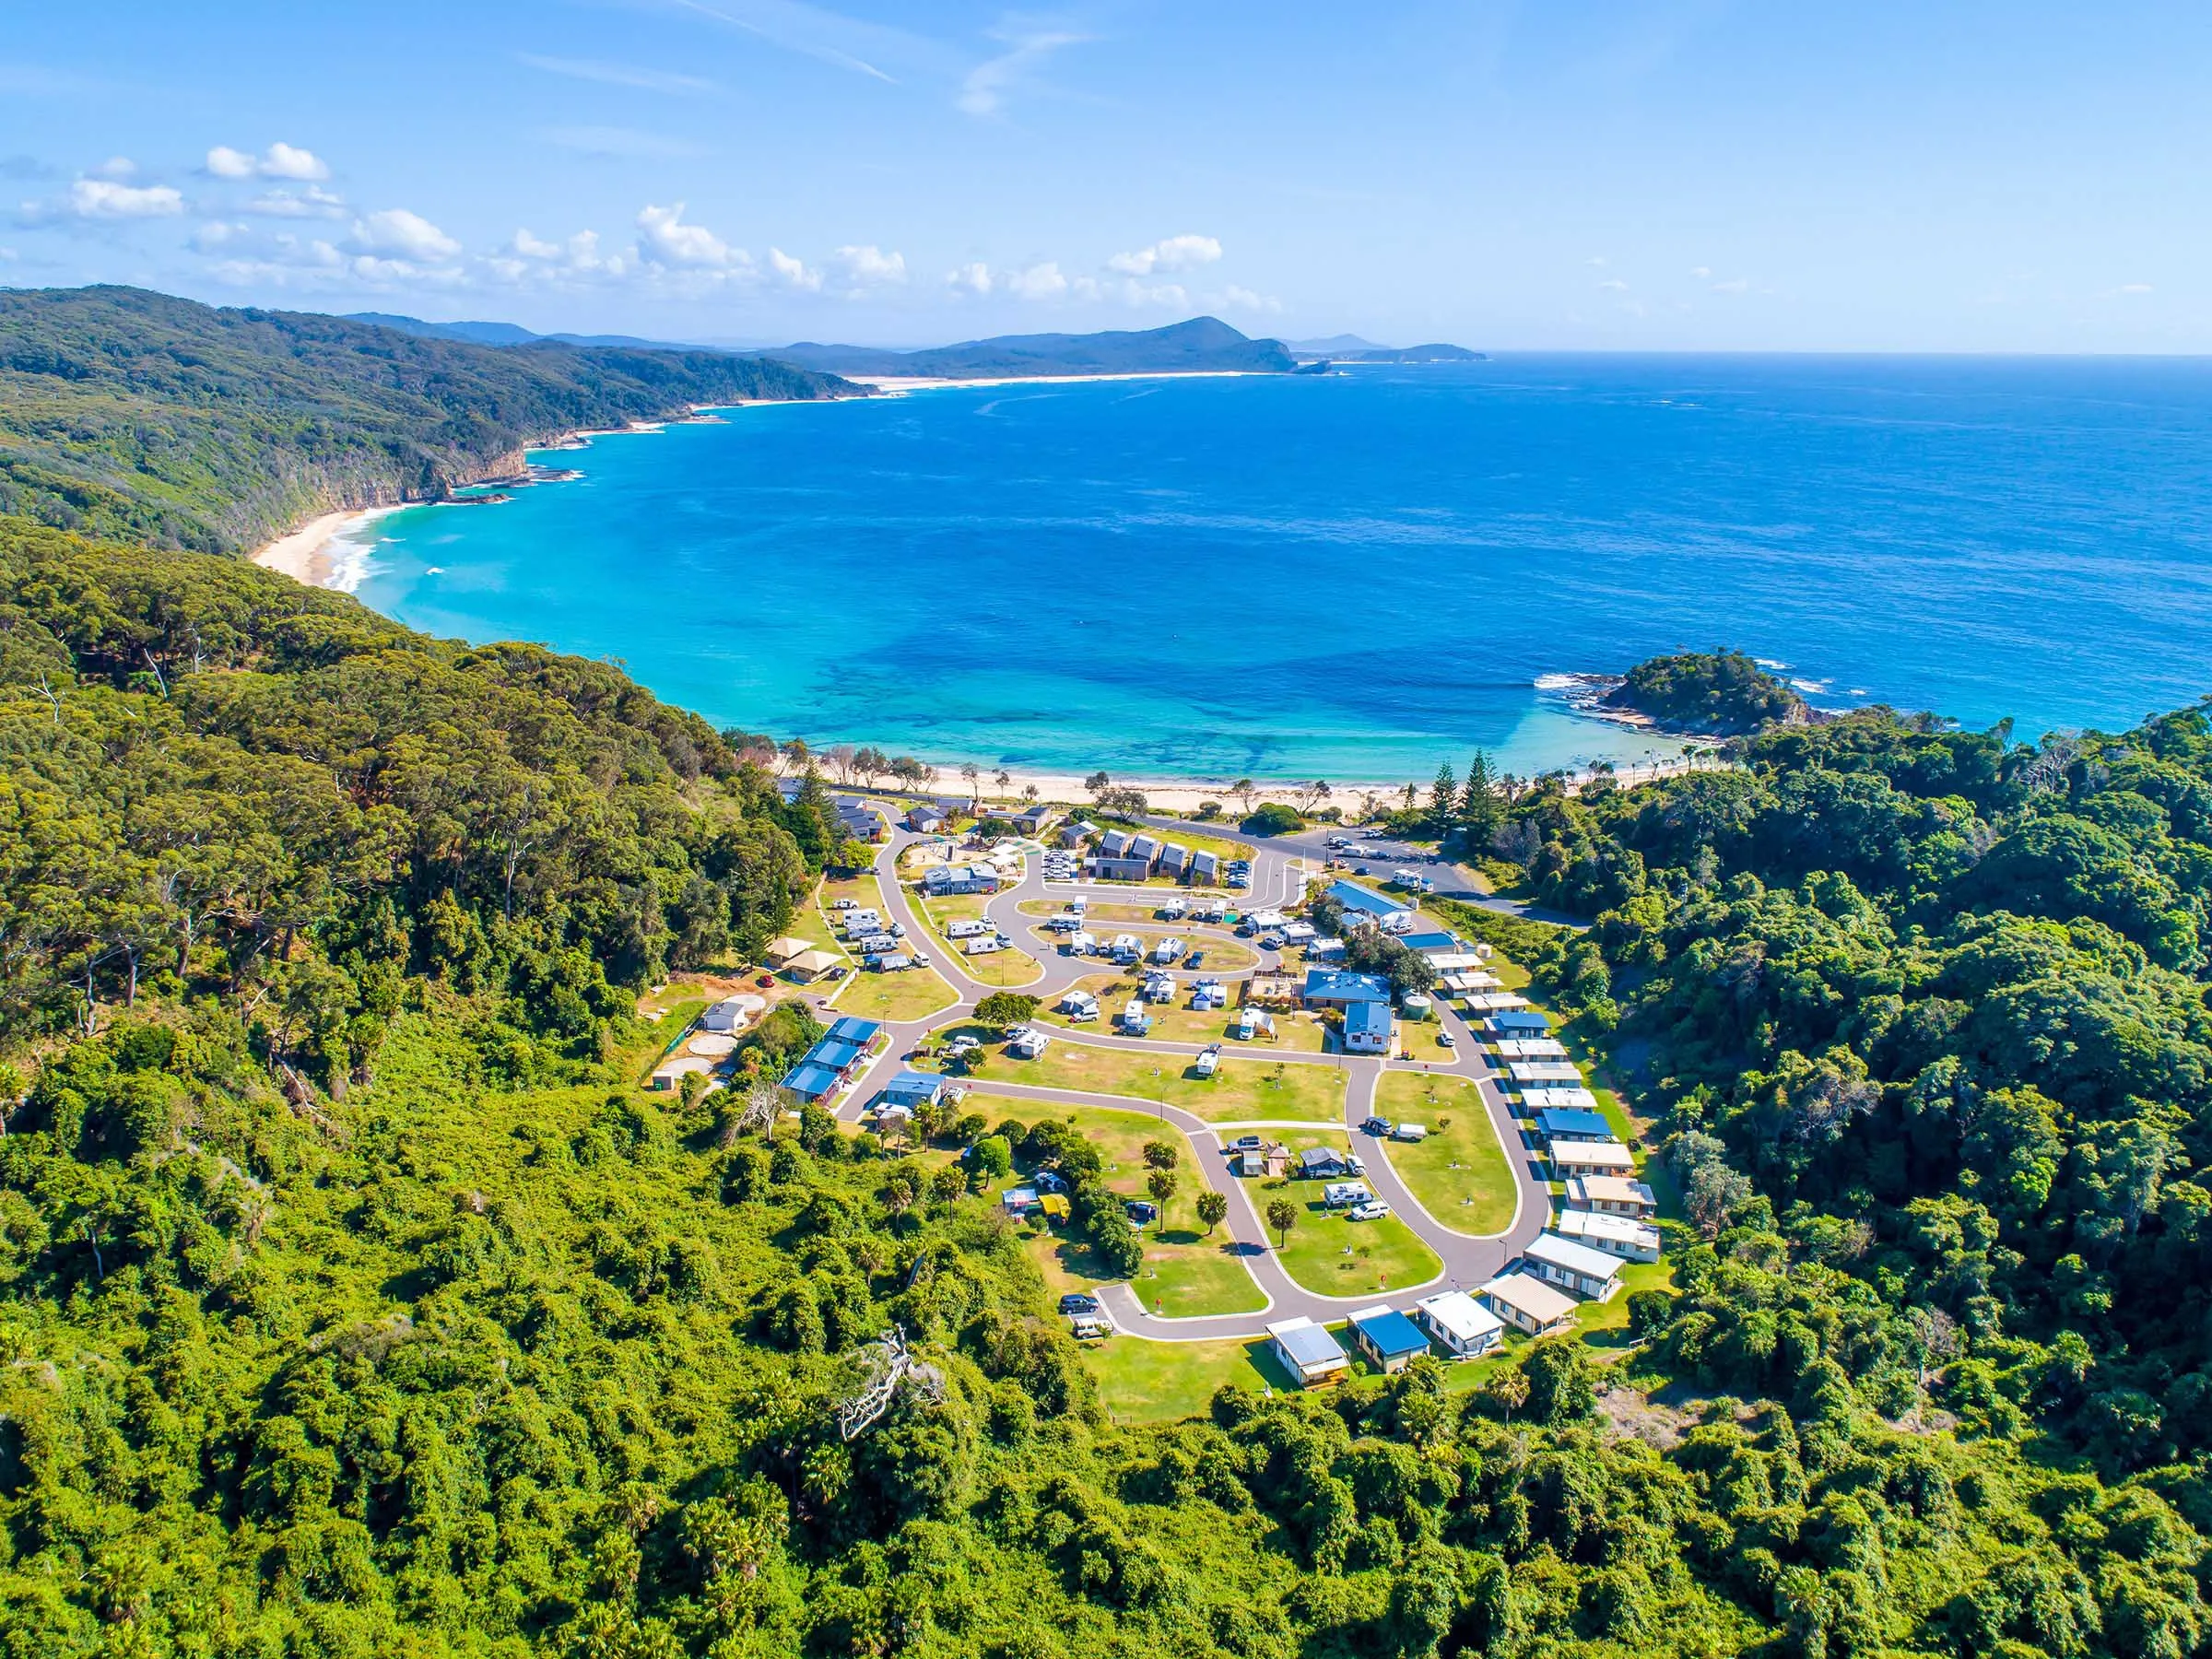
point(1334, 346)
point(1201, 343)
point(1438, 353)
point(146, 417)
point(475, 334)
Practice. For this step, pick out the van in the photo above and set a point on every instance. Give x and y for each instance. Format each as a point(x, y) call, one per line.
point(1408, 1131)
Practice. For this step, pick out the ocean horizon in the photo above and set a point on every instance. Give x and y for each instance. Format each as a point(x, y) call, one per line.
point(1359, 576)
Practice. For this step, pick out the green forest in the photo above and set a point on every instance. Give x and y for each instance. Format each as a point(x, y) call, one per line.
point(154, 419)
point(359, 1300)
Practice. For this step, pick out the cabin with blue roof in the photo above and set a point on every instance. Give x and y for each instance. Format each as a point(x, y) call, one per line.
point(1367, 1028)
point(1573, 1123)
point(851, 1028)
point(810, 1084)
point(1518, 1022)
point(912, 1090)
point(1354, 897)
point(1389, 1339)
point(1336, 988)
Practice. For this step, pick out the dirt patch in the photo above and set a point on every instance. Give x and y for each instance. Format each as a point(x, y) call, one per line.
point(1646, 1417)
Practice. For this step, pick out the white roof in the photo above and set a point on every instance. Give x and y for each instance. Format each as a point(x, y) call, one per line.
point(1609, 1189)
point(1459, 1315)
point(1536, 1096)
point(1549, 1247)
point(1544, 1071)
point(1531, 1048)
point(1539, 1301)
point(1596, 1224)
point(1594, 1155)
point(1451, 961)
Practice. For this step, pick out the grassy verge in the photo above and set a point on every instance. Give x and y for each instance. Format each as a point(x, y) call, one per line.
point(1142, 1382)
point(1329, 1253)
point(1240, 1089)
point(913, 995)
point(1460, 1173)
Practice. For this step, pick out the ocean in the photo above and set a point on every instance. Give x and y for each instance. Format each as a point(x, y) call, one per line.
point(1357, 576)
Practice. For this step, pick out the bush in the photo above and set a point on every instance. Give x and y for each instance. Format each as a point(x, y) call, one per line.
point(1271, 817)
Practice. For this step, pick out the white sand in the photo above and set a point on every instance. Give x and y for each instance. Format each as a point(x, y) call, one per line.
point(304, 554)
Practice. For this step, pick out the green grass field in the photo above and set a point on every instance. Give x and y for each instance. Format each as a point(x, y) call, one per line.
point(1460, 1173)
point(1328, 1253)
point(1142, 1382)
point(913, 995)
point(1010, 969)
point(1242, 1089)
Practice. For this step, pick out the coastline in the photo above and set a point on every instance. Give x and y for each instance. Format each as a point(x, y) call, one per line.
point(898, 385)
point(305, 554)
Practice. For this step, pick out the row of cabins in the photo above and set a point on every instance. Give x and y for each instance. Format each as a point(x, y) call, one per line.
point(840, 1055)
point(1370, 1026)
point(1455, 1320)
point(933, 817)
point(1125, 856)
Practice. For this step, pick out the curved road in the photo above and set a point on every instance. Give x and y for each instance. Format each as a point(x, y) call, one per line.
point(1466, 1260)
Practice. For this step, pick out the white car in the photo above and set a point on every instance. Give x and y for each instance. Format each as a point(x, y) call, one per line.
point(1374, 1209)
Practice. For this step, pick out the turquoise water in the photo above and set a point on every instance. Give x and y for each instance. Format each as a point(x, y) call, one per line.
point(1357, 576)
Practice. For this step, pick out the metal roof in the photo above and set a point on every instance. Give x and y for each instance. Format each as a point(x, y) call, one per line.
point(1550, 1248)
point(1389, 1332)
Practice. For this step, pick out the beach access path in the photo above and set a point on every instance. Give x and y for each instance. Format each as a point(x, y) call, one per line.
point(1279, 866)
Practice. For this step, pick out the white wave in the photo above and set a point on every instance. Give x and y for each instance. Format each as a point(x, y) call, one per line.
point(1811, 687)
point(1557, 682)
point(352, 559)
point(1771, 665)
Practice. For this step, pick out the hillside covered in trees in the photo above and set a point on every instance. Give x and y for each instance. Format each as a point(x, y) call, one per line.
point(154, 419)
point(356, 1300)
point(1724, 693)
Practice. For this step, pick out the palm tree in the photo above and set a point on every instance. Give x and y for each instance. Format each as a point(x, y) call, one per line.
point(1282, 1216)
point(1213, 1209)
point(1161, 1184)
point(1509, 1388)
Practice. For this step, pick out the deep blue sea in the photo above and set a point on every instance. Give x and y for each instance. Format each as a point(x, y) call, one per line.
point(1359, 575)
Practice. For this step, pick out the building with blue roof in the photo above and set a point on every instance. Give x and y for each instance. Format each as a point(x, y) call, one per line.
point(1367, 1028)
point(810, 1084)
point(851, 1028)
point(1433, 941)
point(1573, 1123)
point(1387, 1337)
point(1354, 897)
point(1335, 988)
point(912, 1090)
point(1519, 1022)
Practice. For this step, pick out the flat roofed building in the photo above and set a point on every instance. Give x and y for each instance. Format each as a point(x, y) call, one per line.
point(1460, 1324)
point(1542, 1071)
point(1307, 1352)
point(1591, 1158)
point(1573, 1123)
point(1573, 1267)
point(1612, 1195)
point(1387, 1337)
point(1520, 1021)
point(1624, 1235)
point(1538, 1096)
point(1527, 1303)
point(1531, 1048)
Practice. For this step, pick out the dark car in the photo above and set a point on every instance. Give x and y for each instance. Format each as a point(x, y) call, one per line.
point(1075, 1302)
point(1375, 1126)
point(1140, 1212)
point(1359, 869)
point(1194, 959)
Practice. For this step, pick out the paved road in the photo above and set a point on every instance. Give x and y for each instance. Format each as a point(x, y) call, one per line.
point(1466, 1260)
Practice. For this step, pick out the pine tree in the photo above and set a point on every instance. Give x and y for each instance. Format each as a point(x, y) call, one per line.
point(1445, 794)
point(1481, 805)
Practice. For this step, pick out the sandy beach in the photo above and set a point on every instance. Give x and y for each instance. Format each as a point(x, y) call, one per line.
point(304, 554)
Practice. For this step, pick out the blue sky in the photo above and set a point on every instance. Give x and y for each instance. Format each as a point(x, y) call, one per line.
point(1627, 175)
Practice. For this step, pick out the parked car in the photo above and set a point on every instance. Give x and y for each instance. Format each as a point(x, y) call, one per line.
point(1373, 1210)
point(1271, 941)
point(1144, 1214)
point(1194, 959)
point(765, 980)
point(1446, 1040)
point(1075, 1302)
point(1090, 1327)
point(1245, 1143)
point(1376, 1125)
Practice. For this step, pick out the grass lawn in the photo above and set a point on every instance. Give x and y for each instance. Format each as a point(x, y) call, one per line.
point(1007, 968)
point(913, 995)
point(1299, 1035)
point(1606, 1324)
point(1142, 1382)
point(1096, 912)
point(1241, 1089)
point(1328, 1253)
point(1460, 1173)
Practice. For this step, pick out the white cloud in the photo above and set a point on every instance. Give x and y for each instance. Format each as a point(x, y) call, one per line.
point(2133, 287)
point(617, 75)
point(529, 247)
point(664, 239)
point(1038, 282)
point(1171, 253)
point(869, 266)
point(793, 272)
point(531, 258)
point(398, 234)
point(1701, 272)
point(310, 203)
point(972, 279)
point(984, 90)
point(1734, 284)
point(1613, 285)
point(281, 161)
point(105, 199)
point(116, 167)
point(1243, 298)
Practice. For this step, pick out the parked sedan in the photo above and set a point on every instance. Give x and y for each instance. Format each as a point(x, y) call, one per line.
point(1075, 1302)
point(1446, 1040)
point(1376, 1125)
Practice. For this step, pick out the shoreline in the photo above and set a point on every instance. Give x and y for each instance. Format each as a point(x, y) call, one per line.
point(899, 385)
point(304, 554)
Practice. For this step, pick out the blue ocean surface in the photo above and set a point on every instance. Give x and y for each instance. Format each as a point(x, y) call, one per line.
point(1357, 576)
